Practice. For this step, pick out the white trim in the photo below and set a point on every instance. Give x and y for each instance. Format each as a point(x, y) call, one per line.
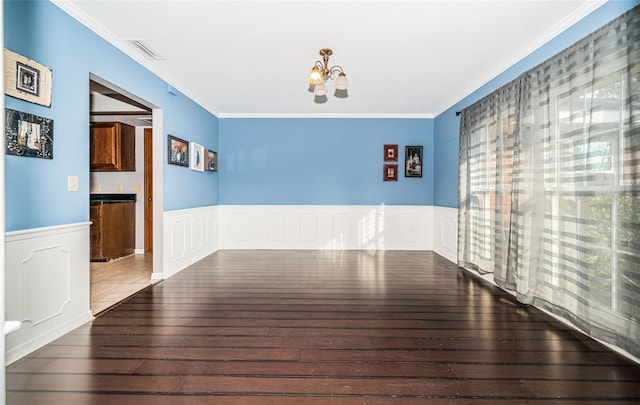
point(18, 351)
point(68, 7)
point(585, 9)
point(11, 326)
point(46, 231)
point(124, 46)
point(158, 153)
point(327, 115)
point(3, 321)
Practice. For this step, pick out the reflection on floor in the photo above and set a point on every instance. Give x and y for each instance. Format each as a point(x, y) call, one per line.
point(112, 282)
point(284, 327)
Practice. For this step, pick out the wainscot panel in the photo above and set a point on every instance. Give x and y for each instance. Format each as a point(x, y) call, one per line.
point(189, 235)
point(383, 227)
point(445, 232)
point(47, 285)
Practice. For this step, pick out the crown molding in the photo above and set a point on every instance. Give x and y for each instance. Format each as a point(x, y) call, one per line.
point(584, 10)
point(327, 115)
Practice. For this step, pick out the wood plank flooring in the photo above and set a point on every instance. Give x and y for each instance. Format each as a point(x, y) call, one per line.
point(323, 327)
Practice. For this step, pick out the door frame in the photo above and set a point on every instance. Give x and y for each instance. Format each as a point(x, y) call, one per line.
point(157, 148)
point(148, 190)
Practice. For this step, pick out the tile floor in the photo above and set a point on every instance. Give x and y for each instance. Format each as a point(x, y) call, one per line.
point(112, 282)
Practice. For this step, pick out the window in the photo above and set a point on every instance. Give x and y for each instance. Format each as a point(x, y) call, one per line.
point(550, 184)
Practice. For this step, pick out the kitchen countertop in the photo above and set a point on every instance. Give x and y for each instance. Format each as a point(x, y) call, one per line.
point(96, 199)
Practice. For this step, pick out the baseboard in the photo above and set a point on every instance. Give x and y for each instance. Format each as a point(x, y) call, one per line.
point(18, 351)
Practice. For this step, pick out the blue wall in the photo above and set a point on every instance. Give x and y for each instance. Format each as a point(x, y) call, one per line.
point(321, 161)
point(262, 161)
point(36, 189)
point(447, 125)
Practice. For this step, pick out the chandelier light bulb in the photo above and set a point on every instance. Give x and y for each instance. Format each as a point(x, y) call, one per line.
point(341, 82)
point(315, 76)
point(320, 90)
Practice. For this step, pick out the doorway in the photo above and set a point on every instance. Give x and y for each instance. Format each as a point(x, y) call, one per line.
point(117, 276)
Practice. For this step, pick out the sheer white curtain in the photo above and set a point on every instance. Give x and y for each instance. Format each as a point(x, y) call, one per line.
point(486, 161)
point(549, 184)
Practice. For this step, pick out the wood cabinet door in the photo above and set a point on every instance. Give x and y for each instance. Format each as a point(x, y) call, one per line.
point(127, 148)
point(113, 147)
point(105, 147)
point(95, 233)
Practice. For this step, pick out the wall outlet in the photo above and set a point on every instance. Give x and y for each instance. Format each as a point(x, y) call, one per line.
point(72, 183)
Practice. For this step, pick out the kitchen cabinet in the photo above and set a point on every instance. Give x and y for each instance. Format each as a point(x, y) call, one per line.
point(112, 147)
point(112, 232)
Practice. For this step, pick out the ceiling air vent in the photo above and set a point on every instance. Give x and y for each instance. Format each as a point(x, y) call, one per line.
point(147, 50)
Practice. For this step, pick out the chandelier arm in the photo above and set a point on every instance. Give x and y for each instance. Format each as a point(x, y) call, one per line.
point(333, 70)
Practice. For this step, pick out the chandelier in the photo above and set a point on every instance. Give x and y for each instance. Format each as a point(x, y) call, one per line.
point(321, 72)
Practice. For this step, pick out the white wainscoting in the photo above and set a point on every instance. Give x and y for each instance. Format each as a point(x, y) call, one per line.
point(445, 232)
point(47, 269)
point(47, 285)
point(189, 235)
point(347, 227)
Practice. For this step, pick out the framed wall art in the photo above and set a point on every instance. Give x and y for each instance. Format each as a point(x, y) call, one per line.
point(413, 161)
point(212, 161)
point(390, 153)
point(197, 157)
point(26, 79)
point(390, 173)
point(28, 135)
point(178, 151)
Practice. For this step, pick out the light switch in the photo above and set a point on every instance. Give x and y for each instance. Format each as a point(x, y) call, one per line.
point(119, 188)
point(72, 183)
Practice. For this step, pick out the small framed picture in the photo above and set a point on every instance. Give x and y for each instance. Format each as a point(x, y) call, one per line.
point(28, 135)
point(390, 173)
point(178, 151)
point(390, 153)
point(26, 79)
point(212, 161)
point(197, 157)
point(413, 161)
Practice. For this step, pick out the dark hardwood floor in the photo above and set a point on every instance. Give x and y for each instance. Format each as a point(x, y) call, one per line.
point(323, 327)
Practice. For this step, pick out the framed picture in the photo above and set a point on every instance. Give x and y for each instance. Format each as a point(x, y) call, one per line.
point(390, 153)
point(197, 157)
point(26, 79)
point(413, 161)
point(178, 151)
point(212, 161)
point(28, 135)
point(390, 173)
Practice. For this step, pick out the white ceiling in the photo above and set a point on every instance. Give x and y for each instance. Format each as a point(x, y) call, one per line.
point(402, 58)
